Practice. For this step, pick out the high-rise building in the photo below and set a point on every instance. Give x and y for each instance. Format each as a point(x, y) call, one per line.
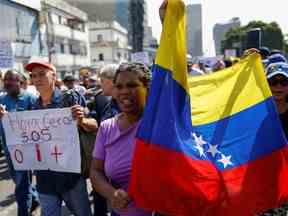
point(131, 14)
point(219, 31)
point(194, 30)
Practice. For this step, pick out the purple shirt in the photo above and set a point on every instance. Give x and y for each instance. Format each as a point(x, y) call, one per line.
point(116, 149)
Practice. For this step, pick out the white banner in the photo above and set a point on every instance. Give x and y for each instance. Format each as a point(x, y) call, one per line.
point(43, 139)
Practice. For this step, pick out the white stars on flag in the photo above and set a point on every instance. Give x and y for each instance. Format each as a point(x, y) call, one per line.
point(199, 140)
point(225, 160)
point(201, 150)
point(213, 150)
point(206, 149)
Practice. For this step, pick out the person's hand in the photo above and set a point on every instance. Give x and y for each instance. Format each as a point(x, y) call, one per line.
point(2, 110)
point(162, 10)
point(249, 52)
point(78, 113)
point(120, 199)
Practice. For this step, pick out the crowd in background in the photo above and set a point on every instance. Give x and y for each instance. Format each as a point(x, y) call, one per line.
point(115, 97)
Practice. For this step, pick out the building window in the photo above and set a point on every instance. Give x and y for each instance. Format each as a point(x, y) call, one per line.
point(59, 19)
point(83, 27)
point(101, 57)
point(64, 21)
point(62, 48)
point(83, 50)
point(100, 37)
point(70, 49)
point(119, 55)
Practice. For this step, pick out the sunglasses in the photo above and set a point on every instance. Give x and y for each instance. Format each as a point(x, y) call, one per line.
point(132, 67)
point(282, 82)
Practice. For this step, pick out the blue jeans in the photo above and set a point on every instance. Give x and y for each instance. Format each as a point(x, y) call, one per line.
point(24, 193)
point(75, 199)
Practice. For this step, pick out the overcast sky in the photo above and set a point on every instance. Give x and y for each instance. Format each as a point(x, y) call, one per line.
point(222, 10)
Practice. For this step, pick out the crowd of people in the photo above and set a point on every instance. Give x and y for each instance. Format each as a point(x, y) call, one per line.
point(110, 104)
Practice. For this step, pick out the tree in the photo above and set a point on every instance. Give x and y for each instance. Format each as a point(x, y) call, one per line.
point(271, 36)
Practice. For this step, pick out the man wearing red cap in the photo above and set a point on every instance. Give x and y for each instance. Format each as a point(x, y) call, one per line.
point(55, 187)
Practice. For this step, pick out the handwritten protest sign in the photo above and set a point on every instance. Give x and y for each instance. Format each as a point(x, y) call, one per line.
point(42, 140)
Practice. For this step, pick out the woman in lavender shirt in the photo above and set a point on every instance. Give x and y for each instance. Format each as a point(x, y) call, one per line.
point(114, 145)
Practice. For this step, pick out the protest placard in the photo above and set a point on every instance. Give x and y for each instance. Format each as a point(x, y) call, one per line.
point(230, 53)
point(140, 57)
point(6, 54)
point(42, 140)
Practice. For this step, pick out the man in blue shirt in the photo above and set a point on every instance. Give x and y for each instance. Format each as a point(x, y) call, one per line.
point(14, 99)
point(55, 187)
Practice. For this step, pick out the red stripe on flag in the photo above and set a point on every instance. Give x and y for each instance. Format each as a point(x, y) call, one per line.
point(174, 184)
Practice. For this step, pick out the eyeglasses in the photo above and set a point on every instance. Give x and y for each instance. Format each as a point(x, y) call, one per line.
point(282, 82)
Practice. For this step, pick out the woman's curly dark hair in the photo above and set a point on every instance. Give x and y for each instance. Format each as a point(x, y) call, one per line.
point(140, 69)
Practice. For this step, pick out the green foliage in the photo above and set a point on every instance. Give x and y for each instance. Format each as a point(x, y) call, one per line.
point(272, 36)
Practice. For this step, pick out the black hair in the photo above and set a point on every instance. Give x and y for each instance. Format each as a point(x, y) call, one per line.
point(13, 73)
point(141, 70)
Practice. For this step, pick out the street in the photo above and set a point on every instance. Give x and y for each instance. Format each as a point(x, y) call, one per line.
point(7, 199)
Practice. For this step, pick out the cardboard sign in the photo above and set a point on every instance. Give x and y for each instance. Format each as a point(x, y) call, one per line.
point(42, 140)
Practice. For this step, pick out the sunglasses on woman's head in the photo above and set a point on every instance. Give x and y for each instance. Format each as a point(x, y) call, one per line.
point(132, 67)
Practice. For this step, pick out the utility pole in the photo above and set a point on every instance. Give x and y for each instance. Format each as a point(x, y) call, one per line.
point(50, 36)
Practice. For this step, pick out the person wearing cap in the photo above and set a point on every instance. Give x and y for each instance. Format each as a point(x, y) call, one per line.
point(264, 52)
point(16, 99)
point(277, 76)
point(70, 82)
point(276, 58)
point(104, 106)
point(55, 187)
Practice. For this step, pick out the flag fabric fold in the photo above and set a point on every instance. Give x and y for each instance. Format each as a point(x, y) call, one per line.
point(207, 145)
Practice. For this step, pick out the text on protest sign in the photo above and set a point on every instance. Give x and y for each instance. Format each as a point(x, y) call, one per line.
point(42, 140)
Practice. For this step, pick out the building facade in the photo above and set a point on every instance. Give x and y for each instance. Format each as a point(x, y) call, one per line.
point(131, 14)
point(219, 31)
point(64, 32)
point(150, 44)
point(19, 30)
point(194, 30)
point(108, 43)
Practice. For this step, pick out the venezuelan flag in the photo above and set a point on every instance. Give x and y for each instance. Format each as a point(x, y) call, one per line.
point(207, 145)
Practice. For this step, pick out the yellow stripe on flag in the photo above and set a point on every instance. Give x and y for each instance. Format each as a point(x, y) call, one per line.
point(171, 54)
point(225, 93)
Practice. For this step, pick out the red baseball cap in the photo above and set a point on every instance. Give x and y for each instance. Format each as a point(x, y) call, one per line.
point(31, 65)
